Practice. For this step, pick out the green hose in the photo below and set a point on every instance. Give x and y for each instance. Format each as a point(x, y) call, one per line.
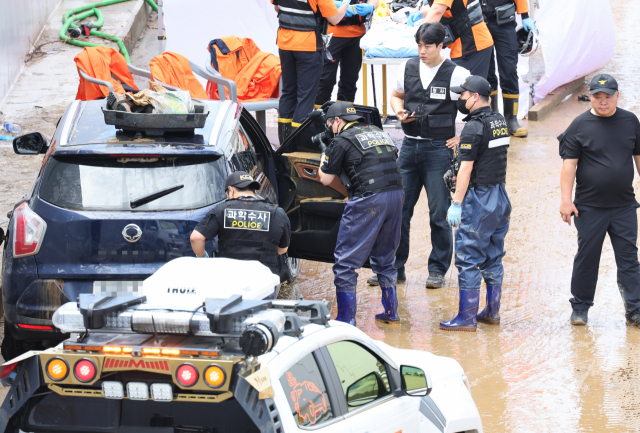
point(86, 11)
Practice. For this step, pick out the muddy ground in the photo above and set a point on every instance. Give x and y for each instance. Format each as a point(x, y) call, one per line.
point(534, 372)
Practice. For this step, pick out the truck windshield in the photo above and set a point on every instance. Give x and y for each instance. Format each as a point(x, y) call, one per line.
point(95, 183)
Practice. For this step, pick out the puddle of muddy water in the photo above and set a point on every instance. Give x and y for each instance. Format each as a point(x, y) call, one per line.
point(534, 372)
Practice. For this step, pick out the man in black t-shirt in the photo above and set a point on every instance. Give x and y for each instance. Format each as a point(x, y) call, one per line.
point(248, 227)
point(598, 150)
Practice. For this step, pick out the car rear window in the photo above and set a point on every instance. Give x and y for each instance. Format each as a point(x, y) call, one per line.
point(95, 183)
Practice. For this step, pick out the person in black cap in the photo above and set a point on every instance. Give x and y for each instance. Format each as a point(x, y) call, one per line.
point(370, 224)
point(480, 206)
point(598, 150)
point(248, 227)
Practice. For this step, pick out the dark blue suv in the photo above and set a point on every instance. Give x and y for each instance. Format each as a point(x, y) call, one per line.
point(109, 207)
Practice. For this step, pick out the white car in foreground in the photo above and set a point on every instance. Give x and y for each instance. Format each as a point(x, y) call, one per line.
point(166, 362)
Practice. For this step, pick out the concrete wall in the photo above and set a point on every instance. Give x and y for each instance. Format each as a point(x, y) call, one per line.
point(20, 21)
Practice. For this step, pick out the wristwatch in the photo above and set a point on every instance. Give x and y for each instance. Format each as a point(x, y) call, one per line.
point(456, 203)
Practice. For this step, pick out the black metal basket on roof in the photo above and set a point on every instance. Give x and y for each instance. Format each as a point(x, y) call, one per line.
point(154, 123)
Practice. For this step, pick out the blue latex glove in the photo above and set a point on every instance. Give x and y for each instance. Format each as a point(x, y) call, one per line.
point(454, 215)
point(364, 9)
point(206, 255)
point(416, 16)
point(350, 11)
point(338, 3)
point(528, 24)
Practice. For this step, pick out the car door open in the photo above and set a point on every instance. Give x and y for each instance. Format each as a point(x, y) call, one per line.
point(314, 209)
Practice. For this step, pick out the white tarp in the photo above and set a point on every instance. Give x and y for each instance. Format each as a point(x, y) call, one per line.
point(577, 38)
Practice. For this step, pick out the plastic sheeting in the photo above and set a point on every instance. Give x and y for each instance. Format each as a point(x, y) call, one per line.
point(577, 38)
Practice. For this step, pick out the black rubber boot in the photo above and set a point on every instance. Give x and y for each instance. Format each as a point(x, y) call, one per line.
point(579, 317)
point(494, 101)
point(284, 130)
point(511, 115)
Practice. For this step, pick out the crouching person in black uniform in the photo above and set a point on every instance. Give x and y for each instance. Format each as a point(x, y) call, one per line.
point(480, 206)
point(248, 227)
point(371, 222)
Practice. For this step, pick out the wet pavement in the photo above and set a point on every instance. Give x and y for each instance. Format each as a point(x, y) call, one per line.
point(534, 372)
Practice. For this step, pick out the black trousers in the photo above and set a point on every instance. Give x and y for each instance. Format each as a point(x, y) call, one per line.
point(477, 63)
point(347, 54)
point(593, 224)
point(506, 51)
point(300, 78)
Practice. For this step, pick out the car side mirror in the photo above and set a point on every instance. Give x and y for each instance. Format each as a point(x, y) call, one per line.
point(1, 236)
point(30, 144)
point(415, 381)
point(364, 390)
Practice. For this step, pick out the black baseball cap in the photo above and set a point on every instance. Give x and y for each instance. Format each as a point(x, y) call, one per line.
point(603, 83)
point(474, 84)
point(241, 179)
point(344, 110)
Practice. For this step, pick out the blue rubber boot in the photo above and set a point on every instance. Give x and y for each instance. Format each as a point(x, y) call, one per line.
point(491, 313)
point(466, 318)
point(347, 307)
point(390, 304)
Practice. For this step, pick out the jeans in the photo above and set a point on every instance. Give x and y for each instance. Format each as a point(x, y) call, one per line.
point(369, 228)
point(593, 224)
point(486, 211)
point(424, 163)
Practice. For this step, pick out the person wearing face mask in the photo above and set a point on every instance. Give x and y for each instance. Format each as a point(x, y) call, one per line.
point(424, 104)
point(370, 224)
point(598, 151)
point(480, 207)
point(248, 227)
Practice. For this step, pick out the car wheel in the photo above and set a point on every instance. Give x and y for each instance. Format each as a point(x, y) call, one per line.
point(294, 268)
point(12, 348)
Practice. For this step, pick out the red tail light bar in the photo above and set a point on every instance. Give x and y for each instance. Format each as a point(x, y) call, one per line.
point(28, 231)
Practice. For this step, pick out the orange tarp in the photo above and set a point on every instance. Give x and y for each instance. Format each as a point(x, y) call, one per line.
point(255, 73)
point(100, 63)
point(174, 69)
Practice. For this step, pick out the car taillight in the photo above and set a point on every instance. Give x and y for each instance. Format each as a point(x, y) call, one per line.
point(28, 231)
point(85, 370)
point(187, 375)
point(8, 369)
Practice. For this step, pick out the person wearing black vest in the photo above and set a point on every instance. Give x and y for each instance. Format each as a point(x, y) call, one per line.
point(248, 227)
point(302, 25)
point(345, 52)
point(424, 104)
point(370, 224)
point(500, 16)
point(480, 207)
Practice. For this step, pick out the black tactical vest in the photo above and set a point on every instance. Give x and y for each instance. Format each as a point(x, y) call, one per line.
point(433, 103)
point(298, 15)
point(246, 233)
point(354, 20)
point(377, 171)
point(491, 165)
